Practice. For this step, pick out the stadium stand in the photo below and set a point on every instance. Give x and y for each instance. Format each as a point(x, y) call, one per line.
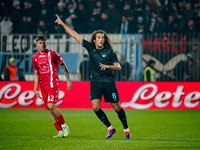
point(169, 30)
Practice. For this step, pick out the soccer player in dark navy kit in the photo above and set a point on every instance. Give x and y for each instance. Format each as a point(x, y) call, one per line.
point(102, 61)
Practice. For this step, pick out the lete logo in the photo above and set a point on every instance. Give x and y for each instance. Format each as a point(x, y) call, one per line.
point(13, 91)
point(162, 99)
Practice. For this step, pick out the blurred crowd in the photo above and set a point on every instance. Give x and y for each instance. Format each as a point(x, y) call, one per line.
point(113, 16)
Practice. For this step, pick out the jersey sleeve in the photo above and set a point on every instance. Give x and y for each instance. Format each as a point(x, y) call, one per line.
point(113, 57)
point(58, 59)
point(34, 64)
point(86, 44)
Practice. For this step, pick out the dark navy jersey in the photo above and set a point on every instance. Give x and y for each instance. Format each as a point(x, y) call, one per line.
point(97, 56)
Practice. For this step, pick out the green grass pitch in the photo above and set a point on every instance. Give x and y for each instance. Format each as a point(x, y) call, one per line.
point(151, 129)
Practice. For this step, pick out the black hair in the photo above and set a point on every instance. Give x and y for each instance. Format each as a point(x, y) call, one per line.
point(151, 62)
point(107, 43)
point(41, 38)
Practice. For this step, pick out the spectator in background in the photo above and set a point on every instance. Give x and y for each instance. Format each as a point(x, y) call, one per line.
point(25, 27)
point(125, 69)
point(152, 22)
point(196, 6)
point(174, 10)
point(170, 27)
point(16, 15)
point(125, 27)
point(71, 7)
point(160, 25)
point(195, 52)
point(75, 4)
point(11, 72)
point(166, 4)
point(113, 15)
point(44, 13)
point(6, 26)
point(105, 23)
point(180, 71)
point(85, 68)
point(188, 12)
point(187, 68)
point(127, 9)
point(3, 10)
point(138, 6)
point(93, 23)
point(197, 20)
point(139, 27)
point(191, 27)
point(194, 71)
point(29, 11)
point(180, 23)
point(132, 21)
point(181, 6)
point(63, 13)
point(41, 28)
point(99, 7)
point(149, 71)
point(146, 14)
point(197, 15)
point(81, 18)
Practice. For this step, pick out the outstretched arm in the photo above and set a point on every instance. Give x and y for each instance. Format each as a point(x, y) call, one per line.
point(71, 32)
point(66, 72)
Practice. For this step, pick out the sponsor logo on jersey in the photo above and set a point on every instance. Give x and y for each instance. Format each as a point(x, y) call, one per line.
point(42, 56)
point(104, 55)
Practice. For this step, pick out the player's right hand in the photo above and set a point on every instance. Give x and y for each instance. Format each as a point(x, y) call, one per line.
point(58, 20)
point(37, 94)
point(69, 86)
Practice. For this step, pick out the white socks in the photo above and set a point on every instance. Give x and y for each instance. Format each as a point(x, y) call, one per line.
point(110, 128)
point(63, 125)
point(126, 130)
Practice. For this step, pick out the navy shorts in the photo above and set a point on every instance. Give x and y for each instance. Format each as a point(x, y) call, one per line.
point(106, 89)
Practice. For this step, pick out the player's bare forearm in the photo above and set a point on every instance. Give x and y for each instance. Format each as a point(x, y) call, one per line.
point(66, 72)
point(71, 32)
point(116, 66)
point(65, 69)
point(36, 81)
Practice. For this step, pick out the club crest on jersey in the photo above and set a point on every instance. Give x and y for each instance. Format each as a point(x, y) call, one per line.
point(104, 55)
point(42, 56)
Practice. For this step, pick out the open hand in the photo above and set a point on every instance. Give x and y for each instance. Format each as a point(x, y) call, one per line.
point(103, 67)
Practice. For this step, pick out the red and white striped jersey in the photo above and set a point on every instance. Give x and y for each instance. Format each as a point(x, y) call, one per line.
point(46, 64)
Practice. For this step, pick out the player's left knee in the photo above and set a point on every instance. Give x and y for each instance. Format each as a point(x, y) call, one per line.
point(50, 106)
point(117, 107)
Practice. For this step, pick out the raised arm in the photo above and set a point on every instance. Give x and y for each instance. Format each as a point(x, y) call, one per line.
point(71, 32)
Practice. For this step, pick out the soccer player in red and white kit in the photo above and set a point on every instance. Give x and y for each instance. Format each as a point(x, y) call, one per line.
point(45, 63)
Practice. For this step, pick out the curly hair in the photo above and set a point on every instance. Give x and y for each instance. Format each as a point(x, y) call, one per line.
point(107, 43)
